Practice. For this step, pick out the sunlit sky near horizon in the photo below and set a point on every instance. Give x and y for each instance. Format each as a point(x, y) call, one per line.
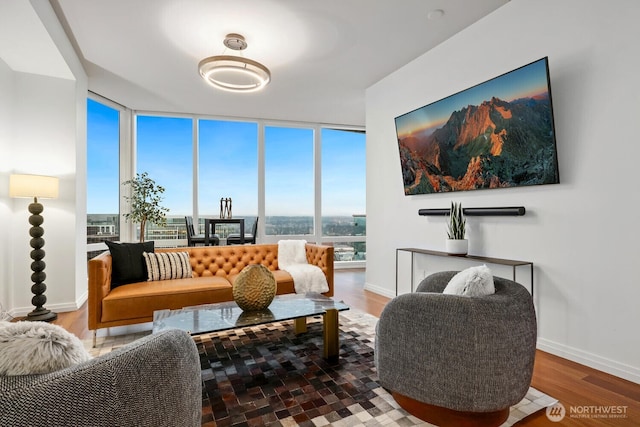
point(523, 82)
point(228, 165)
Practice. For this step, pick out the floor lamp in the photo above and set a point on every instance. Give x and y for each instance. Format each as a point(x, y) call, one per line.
point(45, 187)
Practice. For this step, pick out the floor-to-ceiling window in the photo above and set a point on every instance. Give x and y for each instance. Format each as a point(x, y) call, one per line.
point(301, 180)
point(164, 149)
point(228, 169)
point(289, 181)
point(103, 150)
point(344, 192)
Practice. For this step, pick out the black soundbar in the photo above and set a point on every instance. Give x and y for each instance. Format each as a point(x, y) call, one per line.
point(503, 211)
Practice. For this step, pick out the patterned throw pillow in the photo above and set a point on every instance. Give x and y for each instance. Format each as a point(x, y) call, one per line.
point(168, 265)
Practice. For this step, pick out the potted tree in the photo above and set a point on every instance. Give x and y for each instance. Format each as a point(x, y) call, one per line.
point(145, 202)
point(456, 243)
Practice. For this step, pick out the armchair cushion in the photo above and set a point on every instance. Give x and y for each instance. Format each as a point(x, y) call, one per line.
point(472, 282)
point(38, 348)
point(128, 265)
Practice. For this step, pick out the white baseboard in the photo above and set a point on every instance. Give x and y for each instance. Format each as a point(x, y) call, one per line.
point(630, 373)
point(379, 290)
point(56, 308)
point(345, 265)
point(82, 299)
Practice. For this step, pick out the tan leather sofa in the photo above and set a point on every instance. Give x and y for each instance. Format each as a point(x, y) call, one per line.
point(214, 271)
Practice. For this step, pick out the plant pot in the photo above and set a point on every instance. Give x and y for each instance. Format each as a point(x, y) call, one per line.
point(457, 247)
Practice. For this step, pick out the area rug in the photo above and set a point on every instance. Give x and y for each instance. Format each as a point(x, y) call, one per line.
point(268, 376)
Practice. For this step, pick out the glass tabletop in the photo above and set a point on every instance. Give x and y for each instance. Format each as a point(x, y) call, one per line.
point(227, 315)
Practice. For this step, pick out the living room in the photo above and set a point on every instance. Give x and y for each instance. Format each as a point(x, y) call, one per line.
point(585, 294)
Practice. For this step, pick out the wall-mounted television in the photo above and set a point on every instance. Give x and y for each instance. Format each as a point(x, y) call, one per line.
point(496, 134)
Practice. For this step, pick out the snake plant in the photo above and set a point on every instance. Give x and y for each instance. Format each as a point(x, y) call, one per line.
point(457, 222)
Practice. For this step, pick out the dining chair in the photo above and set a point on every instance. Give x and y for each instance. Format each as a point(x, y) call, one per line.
point(194, 239)
point(234, 238)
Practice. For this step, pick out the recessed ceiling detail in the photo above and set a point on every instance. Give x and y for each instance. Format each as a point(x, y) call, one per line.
point(435, 14)
point(234, 73)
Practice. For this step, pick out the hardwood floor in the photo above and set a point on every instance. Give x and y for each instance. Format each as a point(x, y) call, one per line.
point(574, 385)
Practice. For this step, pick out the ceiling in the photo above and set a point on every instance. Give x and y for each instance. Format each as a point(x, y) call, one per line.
point(322, 55)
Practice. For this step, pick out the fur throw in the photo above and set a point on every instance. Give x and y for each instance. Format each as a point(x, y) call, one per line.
point(292, 258)
point(38, 348)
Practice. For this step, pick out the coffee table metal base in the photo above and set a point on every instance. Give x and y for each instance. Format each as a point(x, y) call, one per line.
point(330, 332)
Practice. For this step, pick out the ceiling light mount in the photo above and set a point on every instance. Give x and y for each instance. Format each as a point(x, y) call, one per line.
point(234, 73)
point(235, 41)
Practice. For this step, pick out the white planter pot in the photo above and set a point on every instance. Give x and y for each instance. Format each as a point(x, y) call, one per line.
point(457, 247)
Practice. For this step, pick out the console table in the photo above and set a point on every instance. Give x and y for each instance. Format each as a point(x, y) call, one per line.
point(508, 262)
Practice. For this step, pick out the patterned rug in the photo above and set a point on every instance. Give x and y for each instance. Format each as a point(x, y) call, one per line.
point(268, 376)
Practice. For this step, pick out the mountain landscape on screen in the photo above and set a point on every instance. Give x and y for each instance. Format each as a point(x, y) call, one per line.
point(493, 144)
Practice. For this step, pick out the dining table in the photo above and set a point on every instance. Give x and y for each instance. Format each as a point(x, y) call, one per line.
point(210, 224)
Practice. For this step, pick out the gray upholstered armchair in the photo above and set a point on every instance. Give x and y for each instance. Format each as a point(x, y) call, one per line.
point(154, 381)
point(450, 358)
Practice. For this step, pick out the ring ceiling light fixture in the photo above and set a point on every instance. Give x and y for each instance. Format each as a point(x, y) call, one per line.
point(234, 73)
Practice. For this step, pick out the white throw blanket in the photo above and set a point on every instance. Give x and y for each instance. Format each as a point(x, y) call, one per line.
point(292, 258)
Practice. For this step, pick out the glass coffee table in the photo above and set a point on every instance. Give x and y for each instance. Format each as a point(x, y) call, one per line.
point(225, 316)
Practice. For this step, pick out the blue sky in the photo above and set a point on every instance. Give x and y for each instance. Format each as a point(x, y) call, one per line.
point(227, 165)
point(524, 82)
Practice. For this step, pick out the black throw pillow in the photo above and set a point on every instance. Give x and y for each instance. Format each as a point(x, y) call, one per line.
point(128, 265)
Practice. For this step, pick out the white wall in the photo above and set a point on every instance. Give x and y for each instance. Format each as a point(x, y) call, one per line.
point(45, 133)
point(6, 100)
point(586, 290)
point(44, 144)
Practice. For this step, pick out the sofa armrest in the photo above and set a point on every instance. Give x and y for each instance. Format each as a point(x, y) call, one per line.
point(99, 286)
point(154, 381)
point(322, 256)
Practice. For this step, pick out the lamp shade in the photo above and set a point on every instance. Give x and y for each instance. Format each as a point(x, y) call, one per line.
point(45, 187)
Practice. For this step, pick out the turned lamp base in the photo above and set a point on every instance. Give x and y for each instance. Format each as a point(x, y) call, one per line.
point(43, 315)
point(46, 187)
point(37, 266)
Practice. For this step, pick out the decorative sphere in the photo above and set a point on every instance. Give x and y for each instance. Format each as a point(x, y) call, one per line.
point(38, 288)
point(36, 231)
point(38, 266)
point(36, 220)
point(254, 288)
point(36, 242)
point(36, 208)
point(38, 277)
point(37, 254)
point(39, 300)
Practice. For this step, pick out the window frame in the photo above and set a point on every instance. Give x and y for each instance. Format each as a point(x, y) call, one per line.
point(128, 161)
point(124, 143)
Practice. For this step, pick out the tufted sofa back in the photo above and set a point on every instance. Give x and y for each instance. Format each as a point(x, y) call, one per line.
point(225, 261)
